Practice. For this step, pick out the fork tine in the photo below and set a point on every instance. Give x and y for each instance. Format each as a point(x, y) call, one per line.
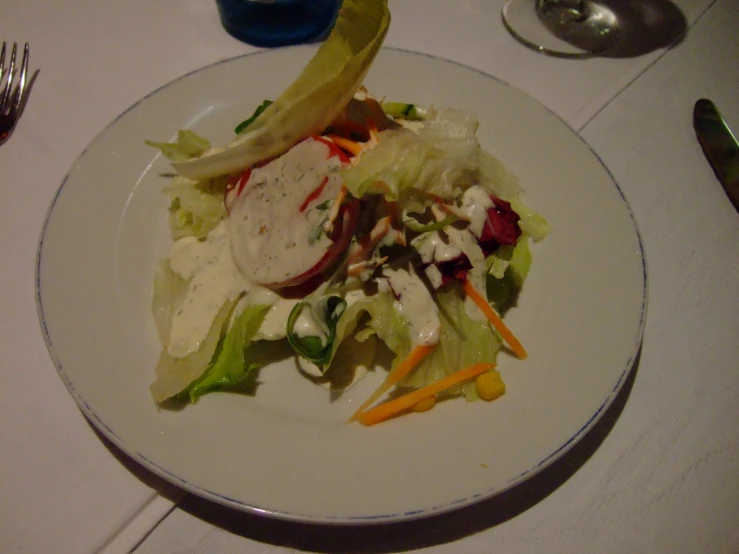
point(2, 63)
point(11, 69)
point(21, 88)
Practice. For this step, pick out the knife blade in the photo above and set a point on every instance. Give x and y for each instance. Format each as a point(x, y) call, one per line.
point(719, 145)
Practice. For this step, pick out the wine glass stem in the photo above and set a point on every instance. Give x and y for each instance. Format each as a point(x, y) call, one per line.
point(569, 11)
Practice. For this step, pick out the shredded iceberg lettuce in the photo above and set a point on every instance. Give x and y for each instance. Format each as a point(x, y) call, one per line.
point(531, 223)
point(507, 273)
point(440, 159)
point(195, 207)
point(463, 342)
point(186, 146)
point(383, 321)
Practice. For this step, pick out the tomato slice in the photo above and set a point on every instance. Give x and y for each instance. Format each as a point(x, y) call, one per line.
point(341, 236)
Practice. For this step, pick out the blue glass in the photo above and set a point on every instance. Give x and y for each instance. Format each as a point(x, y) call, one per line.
point(276, 22)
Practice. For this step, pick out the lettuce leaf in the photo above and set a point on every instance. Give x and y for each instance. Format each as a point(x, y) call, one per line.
point(175, 374)
point(503, 287)
point(229, 367)
point(313, 101)
point(531, 223)
point(462, 342)
point(187, 145)
point(441, 159)
point(384, 322)
point(195, 207)
point(169, 291)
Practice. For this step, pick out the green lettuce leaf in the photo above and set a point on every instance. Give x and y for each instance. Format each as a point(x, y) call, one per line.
point(462, 342)
point(383, 321)
point(531, 223)
point(187, 145)
point(169, 291)
point(503, 287)
point(229, 368)
point(441, 159)
point(195, 207)
point(313, 101)
point(175, 374)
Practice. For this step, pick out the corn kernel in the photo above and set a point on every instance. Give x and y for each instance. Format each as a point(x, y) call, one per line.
point(424, 405)
point(490, 385)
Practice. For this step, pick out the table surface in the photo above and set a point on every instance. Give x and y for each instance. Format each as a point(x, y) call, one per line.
point(658, 473)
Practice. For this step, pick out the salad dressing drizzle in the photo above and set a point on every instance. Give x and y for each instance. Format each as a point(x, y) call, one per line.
point(213, 279)
point(414, 305)
point(475, 203)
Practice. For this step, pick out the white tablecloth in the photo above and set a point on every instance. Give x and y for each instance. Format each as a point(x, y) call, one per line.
point(659, 473)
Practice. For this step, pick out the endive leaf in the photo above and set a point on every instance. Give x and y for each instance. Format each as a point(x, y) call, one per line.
point(313, 101)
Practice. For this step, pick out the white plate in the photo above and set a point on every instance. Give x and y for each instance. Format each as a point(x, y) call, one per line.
point(287, 452)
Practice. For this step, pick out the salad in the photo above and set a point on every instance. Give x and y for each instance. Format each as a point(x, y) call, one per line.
point(342, 224)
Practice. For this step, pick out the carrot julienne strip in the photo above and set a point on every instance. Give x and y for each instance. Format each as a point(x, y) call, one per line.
point(385, 411)
point(396, 374)
point(495, 320)
point(350, 146)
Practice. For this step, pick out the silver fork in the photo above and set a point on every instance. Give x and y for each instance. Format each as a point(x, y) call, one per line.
point(11, 99)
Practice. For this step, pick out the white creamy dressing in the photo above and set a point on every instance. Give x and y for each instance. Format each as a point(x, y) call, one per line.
point(274, 326)
point(307, 325)
point(475, 204)
point(214, 278)
point(272, 240)
point(467, 243)
point(354, 296)
point(414, 304)
point(437, 247)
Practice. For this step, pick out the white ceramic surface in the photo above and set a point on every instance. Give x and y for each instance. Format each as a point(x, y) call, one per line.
point(286, 452)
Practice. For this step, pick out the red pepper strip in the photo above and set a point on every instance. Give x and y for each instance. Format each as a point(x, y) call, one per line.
point(313, 195)
point(234, 186)
point(333, 150)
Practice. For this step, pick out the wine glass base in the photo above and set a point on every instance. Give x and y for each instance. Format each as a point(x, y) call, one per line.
point(550, 28)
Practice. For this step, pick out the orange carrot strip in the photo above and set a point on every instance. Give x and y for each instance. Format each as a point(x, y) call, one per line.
point(395, 375)
point(385, 411)
point(495, 320)
point(350, 146)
